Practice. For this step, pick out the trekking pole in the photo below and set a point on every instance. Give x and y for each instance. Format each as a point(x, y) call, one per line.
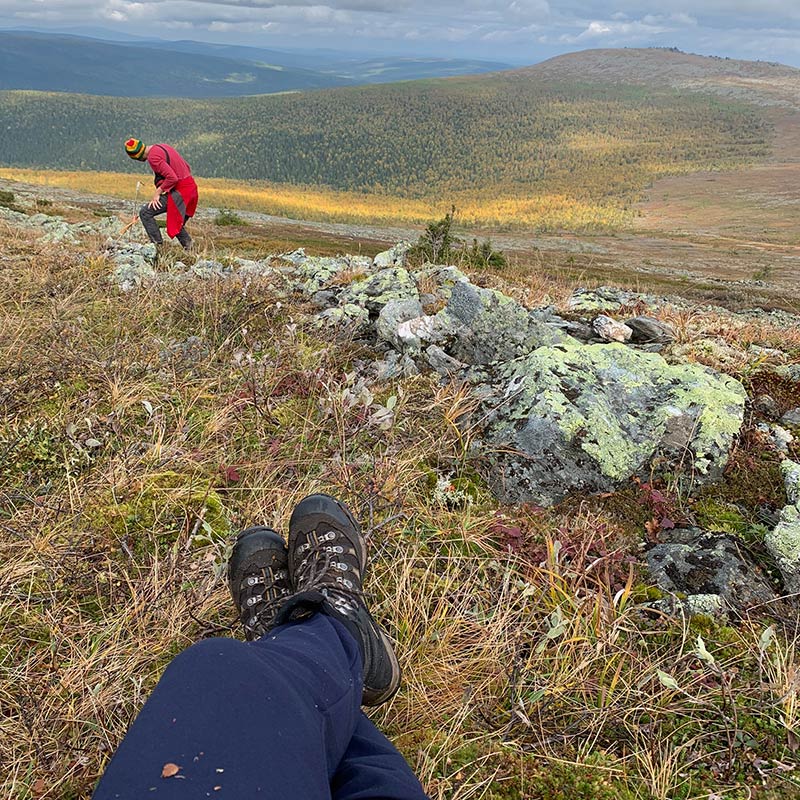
point(128, 226)
point(135, 203)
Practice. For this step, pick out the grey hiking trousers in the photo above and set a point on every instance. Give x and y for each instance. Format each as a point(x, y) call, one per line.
point(147, 215)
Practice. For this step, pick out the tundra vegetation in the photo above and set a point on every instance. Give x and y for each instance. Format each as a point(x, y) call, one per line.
point(140, 429)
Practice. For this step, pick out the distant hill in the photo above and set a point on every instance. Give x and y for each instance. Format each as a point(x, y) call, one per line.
point(61, 63)
point(352, 70)
point(143, 68)
point(759, 82)
point(522, 133)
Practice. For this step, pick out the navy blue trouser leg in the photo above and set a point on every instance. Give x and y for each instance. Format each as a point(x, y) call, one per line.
point(275, 718)
point(373, 769)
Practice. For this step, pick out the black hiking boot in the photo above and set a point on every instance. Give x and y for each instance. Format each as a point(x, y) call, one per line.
point(327, 561)
point(258, 578)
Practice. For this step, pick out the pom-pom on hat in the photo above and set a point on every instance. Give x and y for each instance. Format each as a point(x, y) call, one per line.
point(135, 149)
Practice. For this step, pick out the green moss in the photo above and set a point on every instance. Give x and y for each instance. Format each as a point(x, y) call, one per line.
point(714, 514)
point(643, 593)
point(164, 507)
point(591, 780)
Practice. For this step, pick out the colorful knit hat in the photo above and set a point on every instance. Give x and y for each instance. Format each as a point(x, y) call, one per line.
point(135, 149)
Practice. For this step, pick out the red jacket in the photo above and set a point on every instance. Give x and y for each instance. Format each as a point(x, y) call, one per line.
point(173, 176)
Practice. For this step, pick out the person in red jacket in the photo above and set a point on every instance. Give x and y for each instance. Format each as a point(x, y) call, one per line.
point(176, 191)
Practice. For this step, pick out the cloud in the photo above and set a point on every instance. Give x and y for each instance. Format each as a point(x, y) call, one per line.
point(520, 30)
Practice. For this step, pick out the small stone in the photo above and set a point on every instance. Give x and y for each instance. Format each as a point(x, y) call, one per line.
point(442, 363)
point(765, 404)
point(611, 330)
point(780, 437)
point(648, 330)
point(324, 299)
point(791, 418)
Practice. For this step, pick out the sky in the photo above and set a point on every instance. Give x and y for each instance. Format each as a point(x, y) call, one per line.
point(512, 31)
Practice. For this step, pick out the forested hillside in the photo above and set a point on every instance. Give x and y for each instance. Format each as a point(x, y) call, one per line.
point(499, 135)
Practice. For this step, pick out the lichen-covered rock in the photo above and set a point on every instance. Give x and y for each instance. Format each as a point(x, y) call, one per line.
point(209, 268)
point(133, 264)
point(442, 363)
point(394, 257)
point(790, 372)
point(132, 273)
point(492, 327)
point(604, 298)
point(375, 291)
point(777, 435)
point(313, 273)
point(324, 298)
point(347, 314)
point(784, 541)
point(611, 330)
point(587, 417)
point(792, 418)
point(249, 268)
point(441, 279)
point(393, 365)
point(702, 564)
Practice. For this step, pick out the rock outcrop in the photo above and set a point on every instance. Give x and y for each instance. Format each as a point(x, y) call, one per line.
point(713, 572)
point(587, 417)
point(555, 414)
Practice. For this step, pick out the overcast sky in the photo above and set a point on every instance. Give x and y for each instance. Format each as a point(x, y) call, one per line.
point(519, 31)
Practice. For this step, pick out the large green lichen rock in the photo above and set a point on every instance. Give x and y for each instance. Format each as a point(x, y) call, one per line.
point(375, 291)
point(493, 327)
point(784, 541)
point(314, 272)
point(589, 417)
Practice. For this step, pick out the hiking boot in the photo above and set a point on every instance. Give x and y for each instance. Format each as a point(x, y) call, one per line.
point(327, 561)
point(258, 578)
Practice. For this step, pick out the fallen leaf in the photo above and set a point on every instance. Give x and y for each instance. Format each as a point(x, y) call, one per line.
point(39, 787)
point(231, 474)
point(169, 770)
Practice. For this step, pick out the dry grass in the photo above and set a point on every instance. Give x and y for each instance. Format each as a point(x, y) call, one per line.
point(543, 212)
point(139, 431)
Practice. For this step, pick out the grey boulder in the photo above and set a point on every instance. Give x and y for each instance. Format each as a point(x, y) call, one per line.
point(587, 417)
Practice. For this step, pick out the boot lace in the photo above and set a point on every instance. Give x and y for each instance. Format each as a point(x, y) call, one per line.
point(263, 596)
point(323, 568)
